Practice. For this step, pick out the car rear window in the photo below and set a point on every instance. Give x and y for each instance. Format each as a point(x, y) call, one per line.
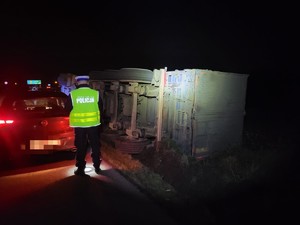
point(38, 104)
point(33, 105)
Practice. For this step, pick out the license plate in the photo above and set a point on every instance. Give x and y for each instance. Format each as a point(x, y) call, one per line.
point(43, 144)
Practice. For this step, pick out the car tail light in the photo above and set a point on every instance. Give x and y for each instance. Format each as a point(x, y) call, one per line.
point(4, 122)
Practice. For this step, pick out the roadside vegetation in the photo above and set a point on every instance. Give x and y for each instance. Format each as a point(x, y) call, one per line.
point(218, 185)
point(167, 173)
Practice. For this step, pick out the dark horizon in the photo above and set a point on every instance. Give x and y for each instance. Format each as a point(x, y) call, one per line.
point(43, 41)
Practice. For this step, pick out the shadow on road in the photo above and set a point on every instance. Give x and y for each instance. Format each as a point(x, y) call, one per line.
point(82, 200)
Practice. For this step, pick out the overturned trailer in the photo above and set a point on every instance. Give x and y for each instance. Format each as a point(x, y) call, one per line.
point(201, 110)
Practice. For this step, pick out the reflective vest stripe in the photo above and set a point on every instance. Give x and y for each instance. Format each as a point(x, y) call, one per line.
point(88, 114)
point(85, 120)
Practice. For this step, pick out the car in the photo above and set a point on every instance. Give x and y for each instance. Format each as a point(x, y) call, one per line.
point(34, 122)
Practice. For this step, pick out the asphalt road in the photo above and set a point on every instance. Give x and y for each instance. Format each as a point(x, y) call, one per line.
point(50, 193)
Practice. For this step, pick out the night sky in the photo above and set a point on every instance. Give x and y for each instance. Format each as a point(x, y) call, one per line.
point(40, 41)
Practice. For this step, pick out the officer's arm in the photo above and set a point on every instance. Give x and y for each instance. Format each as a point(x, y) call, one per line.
point(100, 106)
point(69, 105)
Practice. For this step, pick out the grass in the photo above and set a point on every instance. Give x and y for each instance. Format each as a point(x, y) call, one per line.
point(241, 178)
point(147, 180)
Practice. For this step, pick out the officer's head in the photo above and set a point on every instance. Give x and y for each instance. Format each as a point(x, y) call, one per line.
point(82, 79)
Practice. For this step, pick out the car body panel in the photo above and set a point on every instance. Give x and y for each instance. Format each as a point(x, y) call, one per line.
point(40, 123)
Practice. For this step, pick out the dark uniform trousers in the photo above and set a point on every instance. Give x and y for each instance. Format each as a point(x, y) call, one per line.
point(82, 137)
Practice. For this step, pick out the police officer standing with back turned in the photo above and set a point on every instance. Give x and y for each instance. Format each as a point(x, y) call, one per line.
point(85, 106)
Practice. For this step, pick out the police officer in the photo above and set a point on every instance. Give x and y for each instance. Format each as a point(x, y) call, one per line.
point(85, 106)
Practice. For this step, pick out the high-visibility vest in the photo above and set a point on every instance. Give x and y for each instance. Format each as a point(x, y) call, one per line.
point(85, 112)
